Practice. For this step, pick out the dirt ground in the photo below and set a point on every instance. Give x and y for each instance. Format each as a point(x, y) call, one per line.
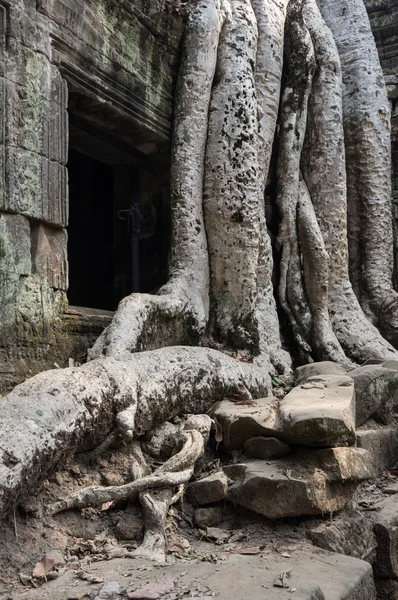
point(93, 546)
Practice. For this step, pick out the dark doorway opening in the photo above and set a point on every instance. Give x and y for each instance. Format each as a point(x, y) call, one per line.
point(90, 232)
point(118, 218)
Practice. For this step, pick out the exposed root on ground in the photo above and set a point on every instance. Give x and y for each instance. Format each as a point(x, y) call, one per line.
point(174, 472)
point(154, 490)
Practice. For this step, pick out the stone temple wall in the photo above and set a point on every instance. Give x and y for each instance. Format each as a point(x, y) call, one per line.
point(117, 61)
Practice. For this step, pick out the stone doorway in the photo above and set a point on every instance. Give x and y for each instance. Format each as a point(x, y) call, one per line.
point(118, 232)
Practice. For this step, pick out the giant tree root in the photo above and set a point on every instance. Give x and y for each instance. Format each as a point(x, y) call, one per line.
point(57, 413)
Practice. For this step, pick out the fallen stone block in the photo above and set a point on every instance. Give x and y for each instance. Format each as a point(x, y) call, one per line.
point(240, 422)
point(210, 516)
point(350, 534)
point(376, 391)
point(386, 532)
point(321, 412)
point(326, 367)
point(307, 483)
point(266, 448)
point(381, 443)
point(209, 489)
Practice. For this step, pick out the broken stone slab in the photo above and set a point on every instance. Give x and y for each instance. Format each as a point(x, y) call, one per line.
point(381, 442)
point(376, 390)
point(208, 490)
point(307, 483)
point(320, 412)
point(266, 448)
point(240, 422)
point(325, 367)
point(350, 534)
point(386, 532)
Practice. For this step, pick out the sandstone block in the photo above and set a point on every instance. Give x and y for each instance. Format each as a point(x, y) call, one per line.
point(209, 489)
point(325, 367)
point(307, 483)
point(381, 443)
point(240, 422)
point(351, 534)
point(49, 255)
point(376, 390)
point(321, 412)
point(386, 532)
point(14, 244)
point(266, 448)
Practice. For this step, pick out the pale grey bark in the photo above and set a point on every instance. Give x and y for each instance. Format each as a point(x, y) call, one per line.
point(324, 172)
point(366, 112)
point(300, 57)
point(325, 345)
point(231, 201)
point(271, 17)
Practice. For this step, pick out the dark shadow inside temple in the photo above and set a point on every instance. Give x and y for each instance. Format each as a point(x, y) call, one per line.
point(90, 232)
point(118, 231)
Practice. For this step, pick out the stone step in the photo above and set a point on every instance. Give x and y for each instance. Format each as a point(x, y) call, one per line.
point(309, 482)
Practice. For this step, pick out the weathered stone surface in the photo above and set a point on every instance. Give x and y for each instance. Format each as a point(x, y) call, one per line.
point(308, 483)
point(376, 390)
point(319, 412)
point(14, 244)
point(325, 367)
point(315, 575)
point(49, 255)
point(266, 447)
point(386, 532)
point(208, 490)
point(208, 517)
point(240, 422)
point(351, 534)
point(382, 444)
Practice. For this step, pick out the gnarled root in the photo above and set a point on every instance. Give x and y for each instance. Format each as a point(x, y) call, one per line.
point(174, 472)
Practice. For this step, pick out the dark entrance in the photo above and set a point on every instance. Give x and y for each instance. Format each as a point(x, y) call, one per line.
point(90, 231)
point(118, 219)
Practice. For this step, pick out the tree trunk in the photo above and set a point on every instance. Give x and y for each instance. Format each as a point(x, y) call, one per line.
point(367, 123)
